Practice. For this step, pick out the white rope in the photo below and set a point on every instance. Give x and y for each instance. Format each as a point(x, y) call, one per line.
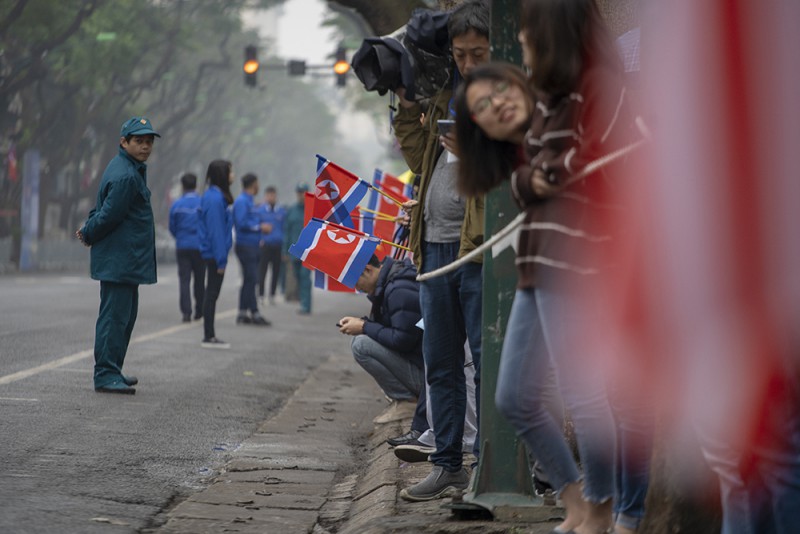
point(510, 227)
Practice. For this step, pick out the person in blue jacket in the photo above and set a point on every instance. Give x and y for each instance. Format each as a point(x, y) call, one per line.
point(247, 221)
point(121, 233)
point(184, 218)
point(292, 227)
point(271, 243)
point(216, 239)
point(388, 343)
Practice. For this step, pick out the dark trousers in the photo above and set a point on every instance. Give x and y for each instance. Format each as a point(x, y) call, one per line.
point(270, 256)
point(119, 304)
point(248, 258)
point(191, 263)
point(213, 286)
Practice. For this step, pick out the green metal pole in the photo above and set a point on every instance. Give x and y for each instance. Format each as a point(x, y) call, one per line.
point(502, 483)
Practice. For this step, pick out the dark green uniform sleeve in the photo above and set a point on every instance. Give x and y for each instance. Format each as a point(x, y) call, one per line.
point(102, 221)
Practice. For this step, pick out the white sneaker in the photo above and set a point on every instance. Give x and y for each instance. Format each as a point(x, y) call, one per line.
point(214, 343)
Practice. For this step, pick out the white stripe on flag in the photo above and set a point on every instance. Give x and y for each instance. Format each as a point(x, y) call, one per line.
point(352, 258)
point(313, 243)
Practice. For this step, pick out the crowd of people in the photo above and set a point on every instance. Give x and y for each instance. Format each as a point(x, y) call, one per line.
point(564, 133)
point(543, 130)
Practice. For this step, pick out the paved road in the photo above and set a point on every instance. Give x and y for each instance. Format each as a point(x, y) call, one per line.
point(73, 459)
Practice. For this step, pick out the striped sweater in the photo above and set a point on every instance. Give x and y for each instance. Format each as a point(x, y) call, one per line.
point(566, 234)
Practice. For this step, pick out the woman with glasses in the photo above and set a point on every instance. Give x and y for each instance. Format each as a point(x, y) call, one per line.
point(540, 133)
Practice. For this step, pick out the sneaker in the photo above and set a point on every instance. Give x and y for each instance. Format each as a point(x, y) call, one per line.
point(259, 320)
point(408, 437)
point(187, 318)
point(438, 484)
point(414, 452)
point(400, 409)
point(214, 343)
point(243, 319)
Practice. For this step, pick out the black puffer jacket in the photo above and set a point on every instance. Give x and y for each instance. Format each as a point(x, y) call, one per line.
point(395, 310)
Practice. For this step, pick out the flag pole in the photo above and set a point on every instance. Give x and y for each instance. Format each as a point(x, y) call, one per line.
point(384, 193)
point(383, 216)
point(396, 245)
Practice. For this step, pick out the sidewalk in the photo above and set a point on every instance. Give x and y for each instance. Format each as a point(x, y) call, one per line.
point(321, 466)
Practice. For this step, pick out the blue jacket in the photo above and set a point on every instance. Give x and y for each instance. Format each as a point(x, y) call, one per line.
point(214, 230)
point(293, 225)
point(274, 216)
point(247, 221)
point(184, 218)
point(396, 311)
point(120, 228)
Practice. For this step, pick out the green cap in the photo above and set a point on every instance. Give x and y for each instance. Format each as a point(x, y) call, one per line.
point(137, 126)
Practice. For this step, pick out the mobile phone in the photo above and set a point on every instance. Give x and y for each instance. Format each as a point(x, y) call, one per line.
point(445, 126)
point(338, 325)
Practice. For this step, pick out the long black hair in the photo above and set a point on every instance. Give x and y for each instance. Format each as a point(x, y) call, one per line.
point(218, 173)
point(566, 37)
point(484, 162)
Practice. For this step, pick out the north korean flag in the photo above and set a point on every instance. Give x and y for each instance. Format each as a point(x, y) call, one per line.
point(339, 252)
point(337, 194)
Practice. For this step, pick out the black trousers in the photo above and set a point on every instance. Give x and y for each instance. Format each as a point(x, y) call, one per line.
point(213, 286)
point(190, 263)
point(270, 256)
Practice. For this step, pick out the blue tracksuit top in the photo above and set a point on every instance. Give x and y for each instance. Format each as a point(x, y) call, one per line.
point(274, 216)
point(216, 222)
point(247, 221)
point(184, 218)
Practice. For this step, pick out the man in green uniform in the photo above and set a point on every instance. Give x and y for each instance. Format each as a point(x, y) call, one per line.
point(293, 225)
point(121, 233)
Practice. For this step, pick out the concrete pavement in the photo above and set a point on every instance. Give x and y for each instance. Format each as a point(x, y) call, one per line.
point(321, 466)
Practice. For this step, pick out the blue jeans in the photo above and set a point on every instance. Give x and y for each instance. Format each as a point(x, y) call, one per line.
point(760, 489)
point(635, 421)
point(248, 258)
point(397, 376)
point(546, 327)
point(451, 311)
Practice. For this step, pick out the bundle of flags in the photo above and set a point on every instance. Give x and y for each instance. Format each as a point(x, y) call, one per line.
point(339, 237)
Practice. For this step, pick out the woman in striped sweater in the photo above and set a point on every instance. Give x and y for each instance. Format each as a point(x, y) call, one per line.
point(543, 133)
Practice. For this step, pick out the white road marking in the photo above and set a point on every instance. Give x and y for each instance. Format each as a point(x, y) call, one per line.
point(72, 358)
point(18, 399)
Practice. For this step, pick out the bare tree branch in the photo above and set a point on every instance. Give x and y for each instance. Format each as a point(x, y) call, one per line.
point(13, 15)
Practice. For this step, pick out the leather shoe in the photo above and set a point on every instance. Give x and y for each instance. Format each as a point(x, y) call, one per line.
point(116, 387)
point(130, 380)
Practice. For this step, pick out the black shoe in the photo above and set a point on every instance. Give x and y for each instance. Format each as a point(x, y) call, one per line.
point(405, 439)
point(259, 320)
point(187, 318)
point(413, 452)
point(130, 380)
point(116, 387)
point(198, 316)
point(243, 319)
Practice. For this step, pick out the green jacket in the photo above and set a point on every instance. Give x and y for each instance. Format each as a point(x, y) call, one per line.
point(421, 149)
point(293, 225)
point(120, 228)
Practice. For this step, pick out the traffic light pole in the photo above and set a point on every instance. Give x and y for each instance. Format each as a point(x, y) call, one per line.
point(502, 484)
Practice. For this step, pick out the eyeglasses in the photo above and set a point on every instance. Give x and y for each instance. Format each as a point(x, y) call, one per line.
point(499, 90)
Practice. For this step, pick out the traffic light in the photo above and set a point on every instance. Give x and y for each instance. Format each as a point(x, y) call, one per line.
point(297, 67)
point(341, 67)
point(250, 66)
